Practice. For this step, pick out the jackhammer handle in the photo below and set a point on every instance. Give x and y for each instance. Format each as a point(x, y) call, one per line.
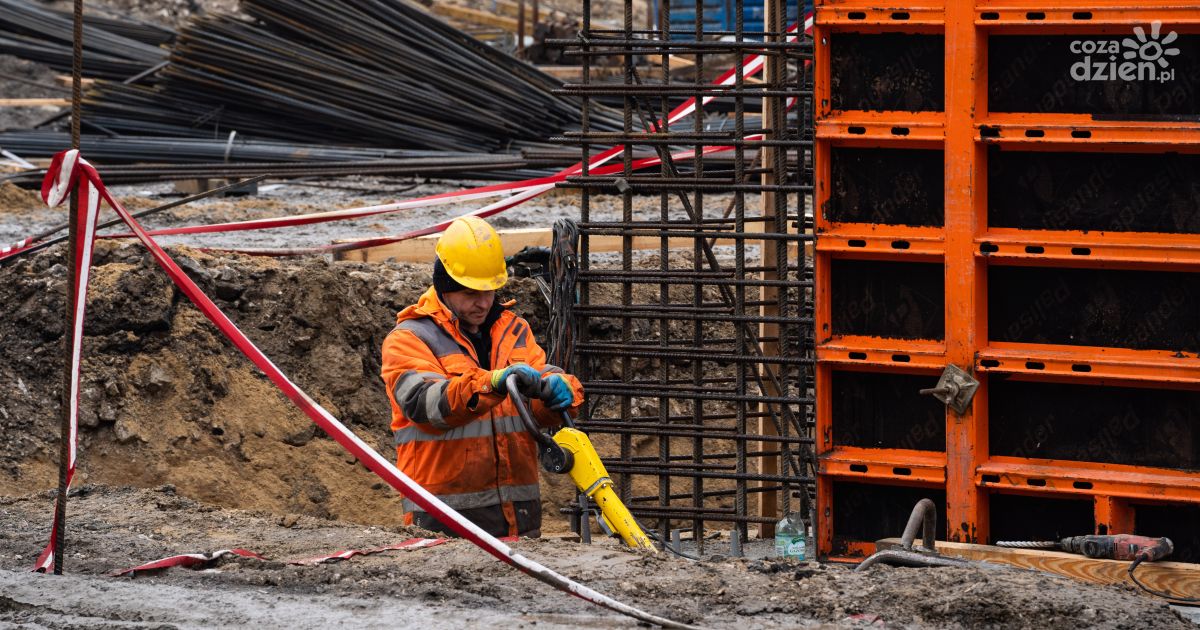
point(518, 401)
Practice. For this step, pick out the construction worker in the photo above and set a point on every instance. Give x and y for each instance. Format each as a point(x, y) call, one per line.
point(446, 365)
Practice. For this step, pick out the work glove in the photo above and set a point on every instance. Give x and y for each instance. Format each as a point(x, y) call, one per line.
point(555, 392)
point(528, 380)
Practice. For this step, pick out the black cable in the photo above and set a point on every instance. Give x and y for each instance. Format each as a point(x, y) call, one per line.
point(1156, 593)
point(564, 267)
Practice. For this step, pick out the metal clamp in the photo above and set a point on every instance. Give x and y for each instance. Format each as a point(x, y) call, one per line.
point(956, 388)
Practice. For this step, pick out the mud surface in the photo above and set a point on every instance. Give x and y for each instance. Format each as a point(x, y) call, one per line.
point(455, 583)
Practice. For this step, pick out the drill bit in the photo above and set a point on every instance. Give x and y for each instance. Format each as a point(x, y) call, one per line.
point(1030, 544)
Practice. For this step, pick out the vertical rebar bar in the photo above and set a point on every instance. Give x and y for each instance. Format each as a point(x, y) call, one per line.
point(720, 373)
point(64, 451)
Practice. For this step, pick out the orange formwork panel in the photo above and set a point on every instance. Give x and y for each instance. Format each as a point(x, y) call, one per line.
point(980, 202)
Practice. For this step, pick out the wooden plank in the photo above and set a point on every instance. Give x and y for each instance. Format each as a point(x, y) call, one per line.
point(34, 102)
point(65, 81)
point(418, 250)
point(1178, 578)
point(474, 16)
point(575, 73)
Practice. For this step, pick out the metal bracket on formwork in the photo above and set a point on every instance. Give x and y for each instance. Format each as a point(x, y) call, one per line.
point(955, 388)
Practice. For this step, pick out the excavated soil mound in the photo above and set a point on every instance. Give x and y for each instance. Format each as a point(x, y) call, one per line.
point(165, 399)
point(457, 585)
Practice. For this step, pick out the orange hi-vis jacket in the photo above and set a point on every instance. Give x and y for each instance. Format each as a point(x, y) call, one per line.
point(455, 436)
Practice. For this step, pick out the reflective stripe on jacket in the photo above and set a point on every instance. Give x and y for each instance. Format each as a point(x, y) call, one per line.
point(454, 435)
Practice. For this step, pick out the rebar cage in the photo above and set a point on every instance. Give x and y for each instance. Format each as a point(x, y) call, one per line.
point(695, 340)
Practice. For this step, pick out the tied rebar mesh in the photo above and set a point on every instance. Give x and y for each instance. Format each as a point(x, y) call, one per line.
point(695, 340)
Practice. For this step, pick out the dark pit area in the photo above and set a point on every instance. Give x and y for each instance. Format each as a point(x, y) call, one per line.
point(887, 186)
point(1180, 523)
point(873, 410)
point(1040, 73)
point(888, 299)
point(887, 71)
point(1020, 517)
point(1116, 192)
point(868, 512)
point(1140, 310)
point(1092, 423)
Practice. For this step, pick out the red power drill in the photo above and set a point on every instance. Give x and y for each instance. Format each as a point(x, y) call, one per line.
point(1114, 547)
point(1137, 549)
point(1119, 547)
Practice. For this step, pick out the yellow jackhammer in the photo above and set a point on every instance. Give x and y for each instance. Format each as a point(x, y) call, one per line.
point(569, 451)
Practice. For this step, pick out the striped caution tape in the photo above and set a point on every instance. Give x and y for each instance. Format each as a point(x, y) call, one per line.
point(60, 180)
point(69, 170)
point(192, 560)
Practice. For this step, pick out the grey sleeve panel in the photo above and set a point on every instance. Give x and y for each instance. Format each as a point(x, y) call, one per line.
point(552, 369)
point(432, 335)
point(422, 398)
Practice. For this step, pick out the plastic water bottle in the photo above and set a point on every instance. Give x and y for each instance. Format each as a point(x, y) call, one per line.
point(790, 537)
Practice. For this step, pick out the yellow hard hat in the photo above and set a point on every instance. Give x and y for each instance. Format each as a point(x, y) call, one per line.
point(472, 254)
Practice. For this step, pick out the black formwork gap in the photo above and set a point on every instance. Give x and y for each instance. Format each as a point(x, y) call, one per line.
point(1180, 523)
point(870, 512)
point(1021, 517)
point(1134, 309)
point(1041, 74)
point(899, 300)
point(887, 72)
point(886, 410)
point(1094, 423)
point(887, 186)
point(1111, 192)
point(676, 347)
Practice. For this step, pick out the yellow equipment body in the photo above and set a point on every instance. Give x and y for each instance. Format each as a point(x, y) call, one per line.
point(592, 479)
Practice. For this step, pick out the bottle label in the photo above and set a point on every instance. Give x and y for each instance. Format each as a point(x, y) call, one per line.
point(790, 546)
point(795, 548)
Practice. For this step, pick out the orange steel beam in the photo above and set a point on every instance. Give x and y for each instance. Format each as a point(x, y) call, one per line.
point(885, 465)
point(916, 129)
point(966, 308)
point(1083, 363)
point(1089, 478)
point(882, 242)
point(851, 352)
point(1067, 17)
point(1083, 129)
point(1113, 515)
point(1127, 250)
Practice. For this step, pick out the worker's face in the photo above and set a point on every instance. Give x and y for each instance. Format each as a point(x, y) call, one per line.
point(470, 306)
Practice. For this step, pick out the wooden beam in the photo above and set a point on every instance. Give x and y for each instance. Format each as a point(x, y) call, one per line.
point(421, 250)
point(474, 16)
point(1178, 578)
point(65, 81)
point(34, 102)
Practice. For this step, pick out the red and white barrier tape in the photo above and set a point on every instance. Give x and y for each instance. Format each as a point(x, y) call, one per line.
point(68, 169)
point(186, 560)
point(204, 559)
point(55, 189)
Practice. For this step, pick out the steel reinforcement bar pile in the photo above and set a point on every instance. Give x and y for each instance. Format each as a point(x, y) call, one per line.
point(700, 349)
point(367, 72)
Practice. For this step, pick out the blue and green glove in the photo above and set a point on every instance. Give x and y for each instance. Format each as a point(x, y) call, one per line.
point(528, 380)
point(555, 392)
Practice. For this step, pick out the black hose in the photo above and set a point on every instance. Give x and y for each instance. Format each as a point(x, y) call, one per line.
point(1163, 594)
point(564, 266)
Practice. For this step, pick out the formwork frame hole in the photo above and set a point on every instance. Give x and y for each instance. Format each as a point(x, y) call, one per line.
point(857, 15)
point(861, 468)
point(1035, 249)
point(1035, 15)
point(1037, 483)
point(989, 15)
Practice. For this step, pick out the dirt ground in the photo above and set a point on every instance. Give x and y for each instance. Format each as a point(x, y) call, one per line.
point(184, 447)
point(455, 584)
point(219, 459)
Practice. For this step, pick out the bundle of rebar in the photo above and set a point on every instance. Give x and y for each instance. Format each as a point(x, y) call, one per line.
point(114, 48)
point(369, 72)
point(170, 158)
